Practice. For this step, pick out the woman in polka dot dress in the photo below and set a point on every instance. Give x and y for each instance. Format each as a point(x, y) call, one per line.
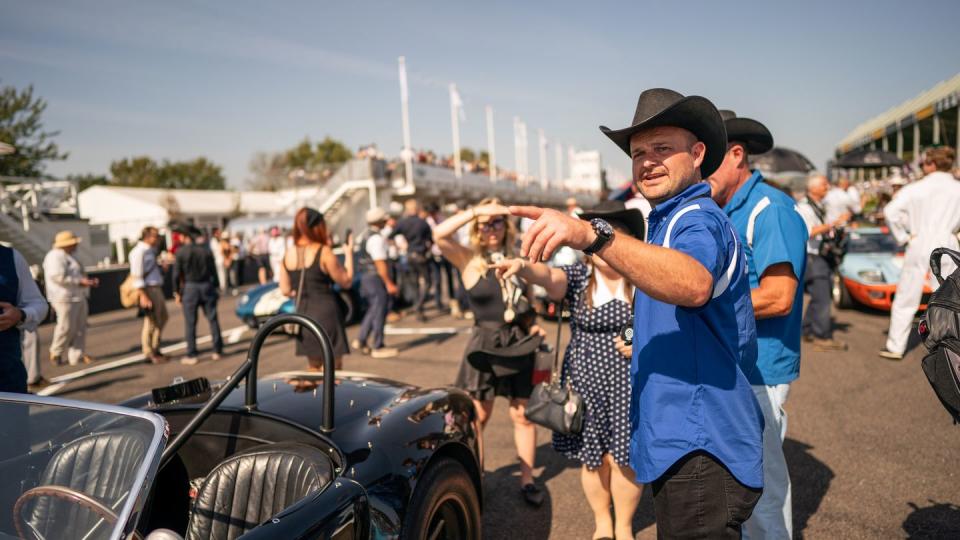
point(600, 301)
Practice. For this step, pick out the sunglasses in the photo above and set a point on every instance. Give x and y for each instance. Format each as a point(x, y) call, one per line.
point(493, 224)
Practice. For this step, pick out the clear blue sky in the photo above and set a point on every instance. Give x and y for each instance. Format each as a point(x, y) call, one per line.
point(226, 79)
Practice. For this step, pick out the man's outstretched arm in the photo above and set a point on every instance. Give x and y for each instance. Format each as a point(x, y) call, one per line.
point(664, 274)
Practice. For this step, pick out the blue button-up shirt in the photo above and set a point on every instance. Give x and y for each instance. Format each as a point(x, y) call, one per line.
point(772, 231)
point(690, 388)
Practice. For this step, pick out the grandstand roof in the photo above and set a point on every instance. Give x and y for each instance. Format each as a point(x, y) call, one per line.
point(943, 95)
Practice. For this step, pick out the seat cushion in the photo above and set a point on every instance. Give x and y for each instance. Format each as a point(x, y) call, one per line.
point(101, 465)
point(250, 487)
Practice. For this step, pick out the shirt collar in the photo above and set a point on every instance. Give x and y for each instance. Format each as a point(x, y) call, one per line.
point(740, 197)
point(668, 206)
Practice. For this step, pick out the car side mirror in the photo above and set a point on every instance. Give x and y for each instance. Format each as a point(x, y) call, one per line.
point(163, 534)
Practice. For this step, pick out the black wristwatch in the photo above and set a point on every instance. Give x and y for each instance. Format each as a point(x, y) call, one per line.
point(604, 233)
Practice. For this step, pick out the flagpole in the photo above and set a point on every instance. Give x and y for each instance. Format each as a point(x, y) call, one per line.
point(405, 114)
point(517, 165)
point(491, 145)
point(455, 125)
point(558, 164)
point(542, 143)
point(524, 153)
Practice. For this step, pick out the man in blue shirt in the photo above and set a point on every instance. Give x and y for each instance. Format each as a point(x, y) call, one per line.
point(774, 237)
point(697, 428)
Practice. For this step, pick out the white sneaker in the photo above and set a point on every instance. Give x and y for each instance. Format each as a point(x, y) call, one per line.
point(384, 352)
point(189, 360)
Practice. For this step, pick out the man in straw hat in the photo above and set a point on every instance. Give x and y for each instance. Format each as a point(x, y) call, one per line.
point(774, 237)
point(67, 288)
point(696, 424)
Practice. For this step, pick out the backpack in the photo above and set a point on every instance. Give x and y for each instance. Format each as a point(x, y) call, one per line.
point(940, 331)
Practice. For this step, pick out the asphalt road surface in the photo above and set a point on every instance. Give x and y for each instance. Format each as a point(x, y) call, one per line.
point(870, 450)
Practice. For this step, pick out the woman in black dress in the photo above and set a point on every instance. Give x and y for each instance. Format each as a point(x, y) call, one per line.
point(492, 237)
point(600, 302)
point(311, 261)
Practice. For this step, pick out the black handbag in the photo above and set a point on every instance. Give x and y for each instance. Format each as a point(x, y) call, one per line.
point(552, 405)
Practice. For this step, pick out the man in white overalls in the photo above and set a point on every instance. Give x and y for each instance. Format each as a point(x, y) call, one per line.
point(923, 215)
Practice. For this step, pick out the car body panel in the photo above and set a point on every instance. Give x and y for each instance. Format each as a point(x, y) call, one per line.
point(871, 277)
point(386, 432)
point(264, 301)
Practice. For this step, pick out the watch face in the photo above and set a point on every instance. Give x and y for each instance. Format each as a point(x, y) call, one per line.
point(602, 227)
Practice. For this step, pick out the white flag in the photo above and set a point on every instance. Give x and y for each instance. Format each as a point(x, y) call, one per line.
point(457, 102)
point(403, 79)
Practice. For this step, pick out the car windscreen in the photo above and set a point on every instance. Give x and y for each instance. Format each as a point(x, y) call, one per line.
point(72, 472)
point(872, 243)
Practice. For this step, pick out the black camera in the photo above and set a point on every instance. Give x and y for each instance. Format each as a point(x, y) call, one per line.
point(626, 334)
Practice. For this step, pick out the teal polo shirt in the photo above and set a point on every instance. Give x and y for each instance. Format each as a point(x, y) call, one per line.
point(772, 231)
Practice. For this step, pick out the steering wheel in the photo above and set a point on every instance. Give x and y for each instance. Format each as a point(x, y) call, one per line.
point(65, 494)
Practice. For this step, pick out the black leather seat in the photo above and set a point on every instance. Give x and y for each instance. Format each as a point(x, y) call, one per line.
point(250, 487)
point(101, 465)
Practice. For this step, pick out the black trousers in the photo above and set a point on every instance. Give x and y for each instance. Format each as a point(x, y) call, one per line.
point(699, 498)
point(201, 296)
point(419, 274)
point(818, 282)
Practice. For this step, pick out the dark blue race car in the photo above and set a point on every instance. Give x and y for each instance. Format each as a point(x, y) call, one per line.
point(293, 455)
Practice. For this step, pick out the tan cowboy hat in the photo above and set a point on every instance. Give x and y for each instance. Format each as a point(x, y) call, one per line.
point(66, 239)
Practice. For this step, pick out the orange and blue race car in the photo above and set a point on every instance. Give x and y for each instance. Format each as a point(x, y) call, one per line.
point(870, 270)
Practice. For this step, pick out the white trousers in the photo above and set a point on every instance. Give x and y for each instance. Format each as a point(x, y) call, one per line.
point(913, 275)
point(30, 344)
point(772, 517)
point(70, 334)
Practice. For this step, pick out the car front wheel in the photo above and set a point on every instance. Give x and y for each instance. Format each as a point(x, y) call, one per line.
point(841, 295)
point(444, 505)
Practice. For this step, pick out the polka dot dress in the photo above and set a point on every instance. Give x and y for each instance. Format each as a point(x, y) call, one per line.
point(599, 373)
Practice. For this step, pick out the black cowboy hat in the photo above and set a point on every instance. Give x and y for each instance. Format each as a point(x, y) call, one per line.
point(754, 135)
point(617, 212)
point(663, 107)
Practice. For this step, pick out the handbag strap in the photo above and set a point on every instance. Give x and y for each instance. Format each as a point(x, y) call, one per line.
point(303, 271)
point(555, 373)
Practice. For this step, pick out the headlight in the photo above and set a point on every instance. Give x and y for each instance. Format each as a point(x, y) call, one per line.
point(870, 276)
point(244, 299)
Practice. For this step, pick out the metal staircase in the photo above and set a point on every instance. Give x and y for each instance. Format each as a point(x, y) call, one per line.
point(11, 232)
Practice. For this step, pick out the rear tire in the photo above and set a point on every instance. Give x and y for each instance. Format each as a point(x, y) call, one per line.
point(444, 505)
point(841, 296)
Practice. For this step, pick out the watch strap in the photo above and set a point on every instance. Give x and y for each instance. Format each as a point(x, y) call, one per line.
point(598, 243)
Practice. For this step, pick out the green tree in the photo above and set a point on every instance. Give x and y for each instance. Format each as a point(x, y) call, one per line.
point(308, 156)
point(140, 171)
point(143, 171)
point(467, 155)
point(21, 125)
point(199, 173)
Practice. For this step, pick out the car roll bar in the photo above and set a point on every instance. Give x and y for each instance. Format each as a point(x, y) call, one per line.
point(248, 371)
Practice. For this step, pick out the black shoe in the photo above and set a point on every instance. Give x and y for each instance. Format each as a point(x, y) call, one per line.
point(532, 495)
point(421, 317)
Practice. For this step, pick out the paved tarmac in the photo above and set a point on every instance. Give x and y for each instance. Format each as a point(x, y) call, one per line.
point(870, 450)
